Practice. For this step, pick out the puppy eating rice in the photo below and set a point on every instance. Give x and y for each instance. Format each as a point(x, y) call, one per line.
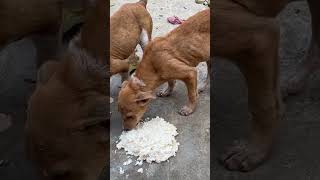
point(153, 140)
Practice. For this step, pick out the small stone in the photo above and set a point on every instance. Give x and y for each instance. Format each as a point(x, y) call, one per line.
point(139, 163)
point(129, 161)
point(121, 171)
point(140, 170)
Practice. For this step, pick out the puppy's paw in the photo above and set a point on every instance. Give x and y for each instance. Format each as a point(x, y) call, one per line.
point(243, 157)
point(185, 111)
point(164, 92)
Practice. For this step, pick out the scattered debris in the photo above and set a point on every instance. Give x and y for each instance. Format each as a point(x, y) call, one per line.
point(204, 2)
point(175, 20)
point(121, 171)
point(129, 161)
point(140, 170)
point(199, 1)
point(139, 163)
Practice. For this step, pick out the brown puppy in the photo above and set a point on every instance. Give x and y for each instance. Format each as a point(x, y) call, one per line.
point(174, 56)
point(67, 126)
point(130, 25)
point(246, 32)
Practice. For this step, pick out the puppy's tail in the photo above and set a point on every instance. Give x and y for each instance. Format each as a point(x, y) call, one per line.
point(143, 2)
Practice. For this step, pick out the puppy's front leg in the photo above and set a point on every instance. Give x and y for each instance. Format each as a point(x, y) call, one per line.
point(168, 90)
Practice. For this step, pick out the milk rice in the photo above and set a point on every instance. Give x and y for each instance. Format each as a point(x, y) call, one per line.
point(153, 140)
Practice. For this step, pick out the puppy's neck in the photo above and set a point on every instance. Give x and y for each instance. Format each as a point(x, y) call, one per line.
point(148, 75)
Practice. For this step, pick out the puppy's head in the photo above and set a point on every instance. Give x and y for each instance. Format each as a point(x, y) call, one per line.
point(133, 102)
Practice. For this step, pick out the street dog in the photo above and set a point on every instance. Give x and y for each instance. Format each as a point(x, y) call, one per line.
point(165, 59)
point(129, 26)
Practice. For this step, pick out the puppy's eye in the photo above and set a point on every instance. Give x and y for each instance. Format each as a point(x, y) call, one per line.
point(129, 118)
point(143, 101)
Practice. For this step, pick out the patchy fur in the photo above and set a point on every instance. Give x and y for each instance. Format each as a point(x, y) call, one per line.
point(174, 56)
point(129, 27)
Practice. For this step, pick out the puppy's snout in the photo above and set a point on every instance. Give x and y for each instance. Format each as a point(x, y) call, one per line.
point(129, 123)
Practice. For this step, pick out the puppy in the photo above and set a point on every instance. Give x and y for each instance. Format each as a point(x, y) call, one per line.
point(67, 123)
point(165, 59)
point(246, 32)
point(129, 26)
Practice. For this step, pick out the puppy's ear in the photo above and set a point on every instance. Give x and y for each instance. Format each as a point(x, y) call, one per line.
point(124, 84)
point(143, 98)
point(136, 83)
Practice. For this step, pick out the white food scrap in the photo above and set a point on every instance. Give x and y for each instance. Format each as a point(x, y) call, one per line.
point(153, 140)
point(129, 161)
point(140, 170)
point(139, 163)
point(121, 171)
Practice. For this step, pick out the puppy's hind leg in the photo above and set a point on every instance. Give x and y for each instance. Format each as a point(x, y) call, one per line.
point(206, 83)
point(144, 39)
point(168, 90)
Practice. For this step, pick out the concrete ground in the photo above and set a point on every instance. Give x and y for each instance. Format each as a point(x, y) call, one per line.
point(296, 154)
point(192, 159)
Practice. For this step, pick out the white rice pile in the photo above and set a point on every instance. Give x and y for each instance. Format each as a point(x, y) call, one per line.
point(153, 140)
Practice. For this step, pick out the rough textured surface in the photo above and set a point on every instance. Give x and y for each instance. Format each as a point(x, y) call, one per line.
point(295, 155)
point(192, 159)
point(17, 61)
